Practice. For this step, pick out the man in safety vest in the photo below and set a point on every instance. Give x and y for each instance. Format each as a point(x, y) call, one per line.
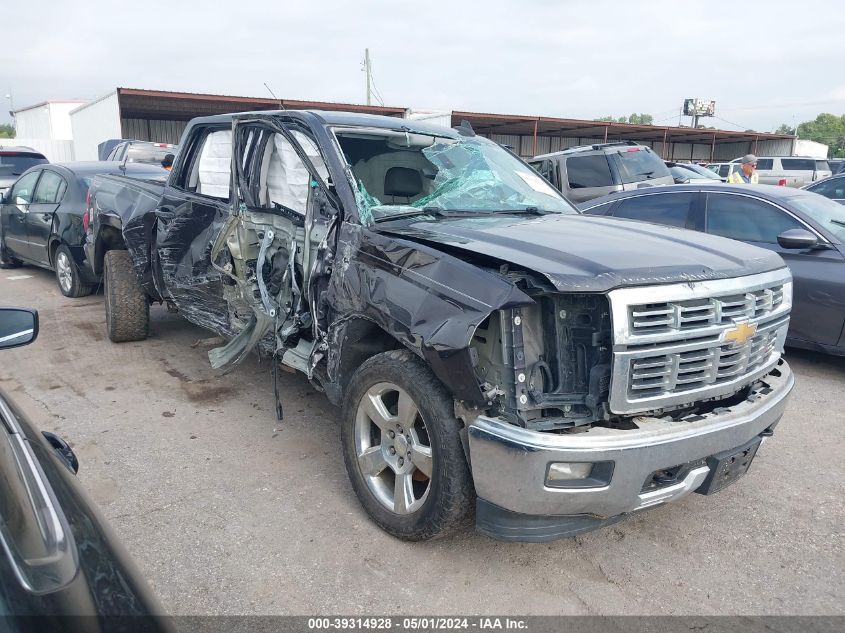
point(747, 173)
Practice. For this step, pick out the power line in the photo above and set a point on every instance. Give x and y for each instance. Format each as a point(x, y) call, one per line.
point(744, 127)
point(783, 105)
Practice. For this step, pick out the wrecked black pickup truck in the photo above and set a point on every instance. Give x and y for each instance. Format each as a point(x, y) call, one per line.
point(494, 352)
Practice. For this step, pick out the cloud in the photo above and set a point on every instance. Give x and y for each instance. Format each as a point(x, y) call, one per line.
point(577, 58)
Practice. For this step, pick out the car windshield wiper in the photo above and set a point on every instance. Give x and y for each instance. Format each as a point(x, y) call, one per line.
point(526, 210)
point(839, 222)
point(410, 214)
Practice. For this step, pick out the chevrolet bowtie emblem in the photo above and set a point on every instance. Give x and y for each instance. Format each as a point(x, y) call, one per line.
point(740, 334)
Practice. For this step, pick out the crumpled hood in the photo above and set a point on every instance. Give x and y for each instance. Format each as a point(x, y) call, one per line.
point(594, 254)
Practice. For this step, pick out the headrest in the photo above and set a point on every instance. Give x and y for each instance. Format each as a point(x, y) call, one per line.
point(401, 181)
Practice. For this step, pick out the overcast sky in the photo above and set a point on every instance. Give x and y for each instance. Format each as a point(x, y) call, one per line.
point(764, 63)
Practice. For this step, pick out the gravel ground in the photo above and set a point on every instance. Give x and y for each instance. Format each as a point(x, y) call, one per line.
point(227, 512)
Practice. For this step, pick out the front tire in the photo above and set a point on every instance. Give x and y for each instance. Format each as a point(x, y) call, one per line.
point(68, 276)
point(403, 451)
point(127, 307)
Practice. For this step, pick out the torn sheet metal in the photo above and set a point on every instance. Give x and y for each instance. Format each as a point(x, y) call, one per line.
point(428, 300)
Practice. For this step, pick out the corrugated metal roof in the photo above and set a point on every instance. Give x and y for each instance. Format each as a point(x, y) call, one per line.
point(162, 104)
point(491, 123)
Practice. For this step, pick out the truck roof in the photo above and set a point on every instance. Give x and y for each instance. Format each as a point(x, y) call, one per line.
point(331, 117)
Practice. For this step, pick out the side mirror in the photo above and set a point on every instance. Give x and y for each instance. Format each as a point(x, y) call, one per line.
point(63, 450)
point(797, 239)
point(18, 326)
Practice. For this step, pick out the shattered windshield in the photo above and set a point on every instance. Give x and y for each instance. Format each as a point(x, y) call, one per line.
point(401, 173)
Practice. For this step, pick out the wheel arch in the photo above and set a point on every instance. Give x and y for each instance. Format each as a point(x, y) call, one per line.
point(53, 246)
point(352, 341)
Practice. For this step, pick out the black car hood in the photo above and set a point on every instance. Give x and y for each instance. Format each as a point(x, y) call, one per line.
point(593, 254)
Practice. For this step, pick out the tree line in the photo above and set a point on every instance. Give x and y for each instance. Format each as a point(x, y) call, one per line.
point(825, 128)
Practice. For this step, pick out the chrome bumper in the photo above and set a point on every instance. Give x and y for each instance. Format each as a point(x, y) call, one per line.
point(509, 463)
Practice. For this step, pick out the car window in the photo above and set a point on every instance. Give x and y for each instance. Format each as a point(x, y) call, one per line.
point(765, 164)
point(832, 188)
point(821, 165)
point(50, 189)
point(600, 209)
point(680, 174)
point(212, 171)
point(724, 170)
point(588, 171)
point(148, 154)
point(671, 209)
point(702, 172)
point(827, 213)
point(747, 219)
point(797, 164)
point(24, 188)
point(544, 168)
point(13, 164)
point(284, 180)
point(636, 164)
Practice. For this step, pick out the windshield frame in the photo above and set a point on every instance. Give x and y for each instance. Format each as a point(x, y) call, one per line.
point(365, 201)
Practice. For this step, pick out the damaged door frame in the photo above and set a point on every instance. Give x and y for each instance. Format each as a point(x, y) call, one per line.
point(323, 208)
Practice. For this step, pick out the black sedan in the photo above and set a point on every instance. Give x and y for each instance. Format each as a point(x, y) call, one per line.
point(41, 219)
point(806, 229)
point(832, 187)
point(60, 567)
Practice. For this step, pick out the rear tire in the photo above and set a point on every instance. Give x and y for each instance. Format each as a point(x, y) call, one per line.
point(68, 276)
point(403, 450)
point(127, 307)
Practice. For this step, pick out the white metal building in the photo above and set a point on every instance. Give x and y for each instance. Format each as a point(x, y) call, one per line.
point(46, 127)
point(93, 123)
point(49, 120)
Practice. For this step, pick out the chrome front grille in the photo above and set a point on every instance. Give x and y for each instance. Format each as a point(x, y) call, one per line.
point(692, 314)
point(680, 343)
point(711, 364)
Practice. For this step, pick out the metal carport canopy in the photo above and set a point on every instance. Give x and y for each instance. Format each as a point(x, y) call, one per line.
point(183, 106)
point(488, 123)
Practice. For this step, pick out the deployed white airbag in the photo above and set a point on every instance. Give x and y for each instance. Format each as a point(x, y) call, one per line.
point(215, 165)
point(288, 181)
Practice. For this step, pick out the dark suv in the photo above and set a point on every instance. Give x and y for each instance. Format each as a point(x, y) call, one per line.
point(590, 171)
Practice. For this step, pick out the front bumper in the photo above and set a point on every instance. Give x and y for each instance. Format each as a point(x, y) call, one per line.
point(510, 464)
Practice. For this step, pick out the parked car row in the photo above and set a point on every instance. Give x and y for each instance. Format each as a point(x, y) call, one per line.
point(42, 219)
point(788, 171)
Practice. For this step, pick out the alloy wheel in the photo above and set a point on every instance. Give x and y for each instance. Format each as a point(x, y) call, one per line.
point(64, 271)
point(393, 448)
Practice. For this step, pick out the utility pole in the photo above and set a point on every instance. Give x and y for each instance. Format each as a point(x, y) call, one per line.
point(368, 69)
point(12, 109)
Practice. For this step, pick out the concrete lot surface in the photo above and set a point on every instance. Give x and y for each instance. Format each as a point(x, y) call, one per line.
point(227, 512)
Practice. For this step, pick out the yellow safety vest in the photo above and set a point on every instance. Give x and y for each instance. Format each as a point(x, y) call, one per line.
point(736, 178)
